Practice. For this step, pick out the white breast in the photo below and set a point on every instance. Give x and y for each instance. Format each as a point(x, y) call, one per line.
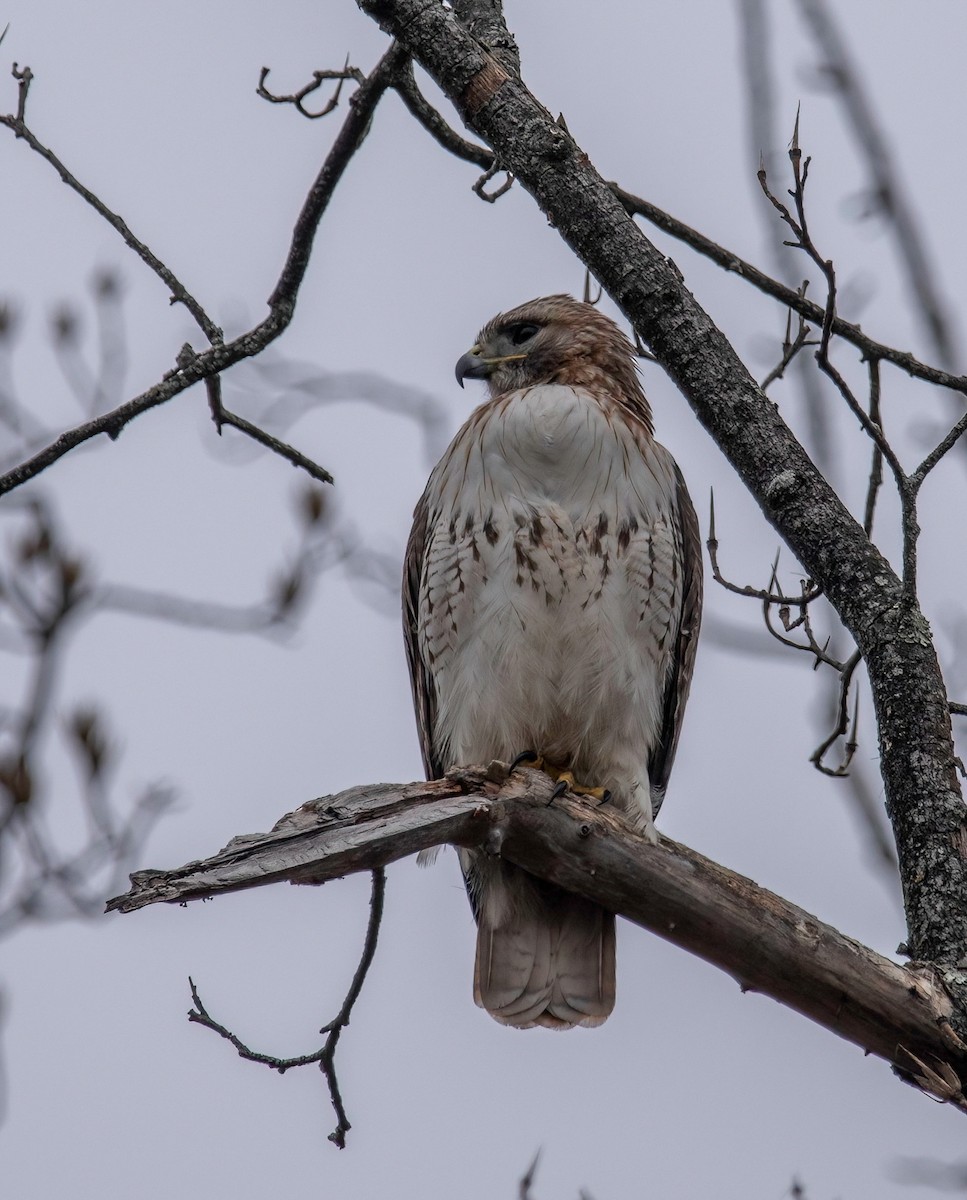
point(551, 589)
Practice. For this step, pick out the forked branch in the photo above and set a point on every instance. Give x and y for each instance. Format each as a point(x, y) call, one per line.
point(205, 366)
point(325, 1057)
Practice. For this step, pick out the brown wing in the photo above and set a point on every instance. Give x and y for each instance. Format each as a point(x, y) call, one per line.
point(424, 701)
point(680, 676)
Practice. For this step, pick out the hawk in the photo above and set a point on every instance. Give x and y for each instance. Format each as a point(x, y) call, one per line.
point(552, 598)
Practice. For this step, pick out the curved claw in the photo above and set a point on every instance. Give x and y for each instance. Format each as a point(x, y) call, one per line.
point(525, 756)
point(559, 789)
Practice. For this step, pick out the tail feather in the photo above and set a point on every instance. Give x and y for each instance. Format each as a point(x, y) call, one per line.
point(544, 956)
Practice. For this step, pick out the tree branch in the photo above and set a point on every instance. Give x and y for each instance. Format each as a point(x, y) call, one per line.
point(791, 297)
point(325, 1057)
point(179, 293)
point(728, 260)
point(901, 1014)
point(204, 365)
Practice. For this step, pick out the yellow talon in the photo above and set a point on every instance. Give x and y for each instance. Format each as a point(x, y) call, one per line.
point(567, 777)
point(538, 762)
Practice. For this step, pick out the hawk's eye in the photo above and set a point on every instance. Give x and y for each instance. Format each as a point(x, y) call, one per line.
point(519, 334)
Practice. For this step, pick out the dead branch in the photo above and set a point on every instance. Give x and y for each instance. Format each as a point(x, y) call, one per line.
point(297, 99)
point(424, 112)
point(790, 345)
point(876, 465)
point(729, 261)
point(901, 1014)
point(484, 19)
point(908, 484)
point(769, 595)
point(325, 1057)
point(842, 726)
point(480, 187)
point(48, 591)
point(802, 240)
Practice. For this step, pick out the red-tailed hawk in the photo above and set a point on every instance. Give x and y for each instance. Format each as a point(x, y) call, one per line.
point(552, 599)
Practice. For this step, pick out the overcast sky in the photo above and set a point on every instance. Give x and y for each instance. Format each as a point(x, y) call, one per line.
point(691, 1089)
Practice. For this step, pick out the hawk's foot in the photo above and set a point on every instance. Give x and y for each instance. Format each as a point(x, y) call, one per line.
point(565, 779)
point(601, 794)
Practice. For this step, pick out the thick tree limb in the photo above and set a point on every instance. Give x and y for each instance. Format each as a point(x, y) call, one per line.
point(900, 1014)
point(917, 757)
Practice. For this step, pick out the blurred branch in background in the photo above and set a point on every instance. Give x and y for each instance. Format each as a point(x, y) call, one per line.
point(763, 145)
point(50, 589)
point(44, 590)
point(885, 196)
point(928, 1173)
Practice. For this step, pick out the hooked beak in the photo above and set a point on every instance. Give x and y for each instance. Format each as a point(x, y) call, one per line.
point(472, 366)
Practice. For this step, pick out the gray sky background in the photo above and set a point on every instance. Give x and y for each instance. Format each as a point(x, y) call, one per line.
point(691, 1089)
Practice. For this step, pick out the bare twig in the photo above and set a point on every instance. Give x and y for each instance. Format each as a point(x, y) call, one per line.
point(907, 486)
point(819, 653)
point(480, 187)
point(208, 363)
point(297, 99)
point(876, 466)
point(179, 293)
point(733, 263)
point(434, 123)
point(790, 345)
point(842, 724)
point(937, 453)
point(283, 449)
point(727, 259)
point(527, 1179)
point(325, 1056)
point(768, 595)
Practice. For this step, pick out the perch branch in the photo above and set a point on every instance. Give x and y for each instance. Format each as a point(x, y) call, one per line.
point(901, 1014)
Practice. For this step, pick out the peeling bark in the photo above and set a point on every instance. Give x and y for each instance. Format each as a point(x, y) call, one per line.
point(768, 945)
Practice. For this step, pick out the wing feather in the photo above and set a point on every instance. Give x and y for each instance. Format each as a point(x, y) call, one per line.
point(690, 620)
point(424, 697)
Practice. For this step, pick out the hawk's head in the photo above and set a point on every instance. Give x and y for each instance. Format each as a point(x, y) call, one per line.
point(555, 339)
